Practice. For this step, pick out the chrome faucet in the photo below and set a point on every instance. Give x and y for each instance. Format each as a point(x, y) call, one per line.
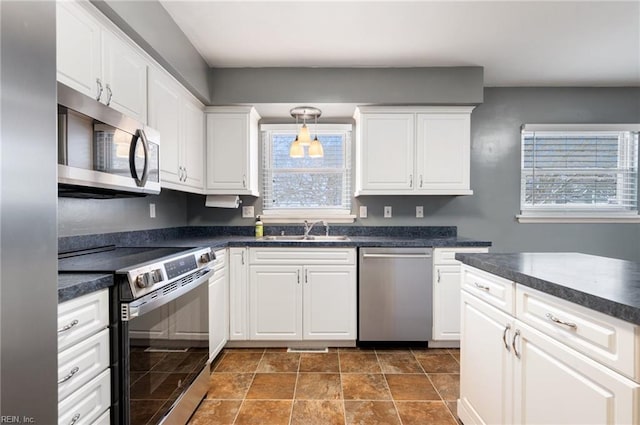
point(308, 227)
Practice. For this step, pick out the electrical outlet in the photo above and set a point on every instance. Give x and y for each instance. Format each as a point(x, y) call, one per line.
point(247, 212)
point(152, 210)
point(363, 211)
point(419, 211)
point(387, 211)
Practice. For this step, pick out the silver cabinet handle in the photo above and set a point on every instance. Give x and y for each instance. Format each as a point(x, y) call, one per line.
point(74, 419)
point(244, 181)
point(554, 319)
point(243, 258)
point(186, 174)
point(513, 343)
point(420, 180)
point(306, 276)
point(504, 337)
point(69, 376)
point(99, 95)
point(410, 180)
point(483, 287)
point(67, 327)
point(110, 94)
point(298, 275)
point(438, 275)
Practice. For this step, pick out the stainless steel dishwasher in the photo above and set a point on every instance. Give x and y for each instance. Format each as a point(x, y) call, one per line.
point(395, 294)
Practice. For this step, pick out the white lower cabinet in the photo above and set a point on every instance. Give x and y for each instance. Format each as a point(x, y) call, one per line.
point(512, 373)
point(218, 305)
point(446, 292)
point(238, 294)
point(302, 294)
point(84, 375)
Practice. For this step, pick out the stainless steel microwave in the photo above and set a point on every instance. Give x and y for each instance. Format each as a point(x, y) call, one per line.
point(103, 153)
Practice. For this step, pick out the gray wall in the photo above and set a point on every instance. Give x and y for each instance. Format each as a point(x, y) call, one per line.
point(91, 216)
point(151, 26)
point(28, 244)
point(453, 85)
point(495, 177)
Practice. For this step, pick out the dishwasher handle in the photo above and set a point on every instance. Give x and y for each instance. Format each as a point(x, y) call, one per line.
point(396, 255)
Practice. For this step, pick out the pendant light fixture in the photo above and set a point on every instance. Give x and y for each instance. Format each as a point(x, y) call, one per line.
point(303, 137)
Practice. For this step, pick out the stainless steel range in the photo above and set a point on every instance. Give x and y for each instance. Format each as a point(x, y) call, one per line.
point(161, 306)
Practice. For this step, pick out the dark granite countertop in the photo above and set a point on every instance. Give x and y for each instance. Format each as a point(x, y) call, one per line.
point(607, 285)
point(73, 285)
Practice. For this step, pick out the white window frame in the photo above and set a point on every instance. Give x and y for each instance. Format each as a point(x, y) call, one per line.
point(290, 215)
point(554, 214)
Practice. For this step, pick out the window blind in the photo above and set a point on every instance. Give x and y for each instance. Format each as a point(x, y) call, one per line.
point(587, 171)
point(306, 183)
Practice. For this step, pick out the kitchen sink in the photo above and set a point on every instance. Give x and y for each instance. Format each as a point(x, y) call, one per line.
point(301, 238)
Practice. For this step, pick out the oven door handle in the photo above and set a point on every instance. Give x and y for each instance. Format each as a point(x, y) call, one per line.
point(154, 300)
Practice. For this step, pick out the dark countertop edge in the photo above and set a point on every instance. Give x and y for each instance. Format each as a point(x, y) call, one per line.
point(74, 285)
point(603, 305)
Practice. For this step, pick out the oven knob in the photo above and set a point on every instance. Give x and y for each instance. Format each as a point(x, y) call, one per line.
point(207, 257)
point(143, 280)
point(156, 275)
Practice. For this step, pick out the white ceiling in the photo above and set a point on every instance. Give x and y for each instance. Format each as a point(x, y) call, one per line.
point(519, 43)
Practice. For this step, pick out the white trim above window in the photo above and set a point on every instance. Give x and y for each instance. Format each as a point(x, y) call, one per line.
point(572, 173)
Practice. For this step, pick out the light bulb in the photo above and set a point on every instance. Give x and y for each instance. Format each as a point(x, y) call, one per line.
point(296, 150)
point(304, 137)
point(316, 150)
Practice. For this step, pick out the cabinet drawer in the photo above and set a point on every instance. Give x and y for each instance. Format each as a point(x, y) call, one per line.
point(493, 289)
point(608, 340)
point(337, 256)
point(79, 363)
point(88, 403)
point(448, 255)
point(221, 260)
point(104, 419)
point(81, 317)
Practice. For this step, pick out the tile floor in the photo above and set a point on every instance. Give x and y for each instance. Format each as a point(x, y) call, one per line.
point(345, 386)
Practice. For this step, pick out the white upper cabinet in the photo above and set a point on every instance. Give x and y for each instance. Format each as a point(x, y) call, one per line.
point(232, 151)
point(79, 52)
point(125, 78)
point(413, 150)
point(180, 121)
point(95, 61)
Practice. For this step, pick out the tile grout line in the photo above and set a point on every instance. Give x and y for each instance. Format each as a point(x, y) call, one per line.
point(393, 400)
point(295, 389)
point(344, 405)
point(251, 383)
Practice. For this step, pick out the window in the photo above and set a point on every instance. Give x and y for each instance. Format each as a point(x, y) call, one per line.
point(579, 173)
point(295, 189)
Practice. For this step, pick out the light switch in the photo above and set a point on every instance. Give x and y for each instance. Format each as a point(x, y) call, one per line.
point(152, 210)
point(419, 211)
point(387, 211)
point(247, 212)
point(363, 211)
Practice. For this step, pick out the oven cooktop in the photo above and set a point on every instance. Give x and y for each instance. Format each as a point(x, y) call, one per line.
point(112, 259)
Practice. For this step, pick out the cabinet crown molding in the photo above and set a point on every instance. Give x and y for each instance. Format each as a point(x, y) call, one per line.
point(233, 109)
point(412, 109)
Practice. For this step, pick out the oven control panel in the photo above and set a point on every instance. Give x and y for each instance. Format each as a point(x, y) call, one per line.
point(153, 275)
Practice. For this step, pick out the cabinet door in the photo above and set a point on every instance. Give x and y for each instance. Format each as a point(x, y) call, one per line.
point(386, 152)
point(329, 302)
point(443, 149)
point(78, 44)
point(275, 306)
point(125, 77)
point(227, 152)
point(218, 313)
point(555, 384)
point(486, 387)
point(193, 144)
point(446, 302)
point(164, 111)
point(238, 294)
